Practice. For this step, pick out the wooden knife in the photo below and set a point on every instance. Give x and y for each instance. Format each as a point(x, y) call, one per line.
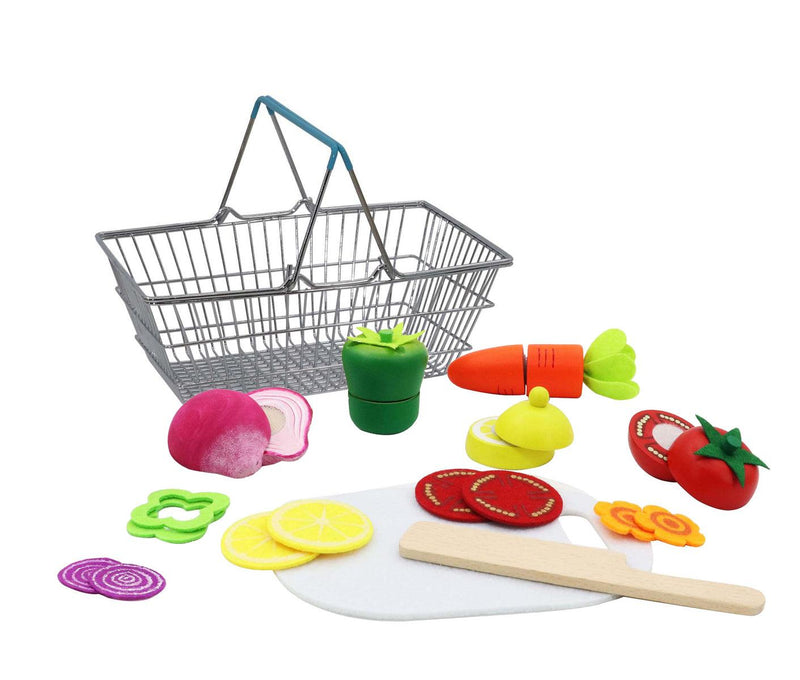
point(566, 564)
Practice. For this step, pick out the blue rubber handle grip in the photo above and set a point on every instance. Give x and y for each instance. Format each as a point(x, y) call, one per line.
point(274, 107)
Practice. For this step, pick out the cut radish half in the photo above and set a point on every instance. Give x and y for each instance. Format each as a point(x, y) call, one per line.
point(289, 418)
point(650, 436)
point(220, 431)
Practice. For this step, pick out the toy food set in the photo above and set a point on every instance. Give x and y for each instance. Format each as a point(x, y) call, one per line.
point(607, 368)
point(384, 372)
point(242, 315)
point(712, 465)
point(242, 302)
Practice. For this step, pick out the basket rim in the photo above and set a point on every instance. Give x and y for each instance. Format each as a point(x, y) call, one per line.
point(503, 258)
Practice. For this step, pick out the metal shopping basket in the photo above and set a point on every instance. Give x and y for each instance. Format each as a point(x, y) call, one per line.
point(249, 301)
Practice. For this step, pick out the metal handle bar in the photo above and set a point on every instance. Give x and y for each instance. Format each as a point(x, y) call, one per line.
point(273, 107)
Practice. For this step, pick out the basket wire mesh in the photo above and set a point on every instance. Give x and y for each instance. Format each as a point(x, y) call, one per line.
point(249, 301)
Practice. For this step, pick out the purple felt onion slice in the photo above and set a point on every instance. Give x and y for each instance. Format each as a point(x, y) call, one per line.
point(127, 582)
point(77, 574)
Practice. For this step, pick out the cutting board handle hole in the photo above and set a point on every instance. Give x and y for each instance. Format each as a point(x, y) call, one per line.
point(580, 531)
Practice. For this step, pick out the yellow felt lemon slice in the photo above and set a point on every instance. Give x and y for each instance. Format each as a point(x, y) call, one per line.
point(320, 526)
point(248, 543)
point(485, 447)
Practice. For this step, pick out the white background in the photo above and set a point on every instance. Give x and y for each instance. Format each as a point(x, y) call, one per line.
point(640, 162)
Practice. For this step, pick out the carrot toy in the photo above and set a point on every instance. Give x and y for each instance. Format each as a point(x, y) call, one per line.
point(607, 368)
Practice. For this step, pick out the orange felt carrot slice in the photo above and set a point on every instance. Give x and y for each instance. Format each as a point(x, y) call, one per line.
point(557, 368)
point(497, 370)
point(673, 529)
point(619, 517)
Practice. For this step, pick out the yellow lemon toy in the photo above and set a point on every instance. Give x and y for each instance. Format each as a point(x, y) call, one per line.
point(486, 448)
point(248, 543)
point(535, 424)
point(320, 526)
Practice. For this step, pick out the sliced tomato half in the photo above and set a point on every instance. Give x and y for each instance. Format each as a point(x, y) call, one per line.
point(650, 436)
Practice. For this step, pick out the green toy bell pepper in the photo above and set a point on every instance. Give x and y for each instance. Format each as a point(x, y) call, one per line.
point(384, 372)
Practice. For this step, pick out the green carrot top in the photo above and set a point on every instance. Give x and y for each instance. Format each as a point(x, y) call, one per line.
point(609, 366)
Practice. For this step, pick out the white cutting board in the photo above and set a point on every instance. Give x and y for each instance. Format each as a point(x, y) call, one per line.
point(376, 583)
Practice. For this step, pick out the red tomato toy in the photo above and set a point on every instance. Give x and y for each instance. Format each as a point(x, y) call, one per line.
point(714, 466)
point(650, 436)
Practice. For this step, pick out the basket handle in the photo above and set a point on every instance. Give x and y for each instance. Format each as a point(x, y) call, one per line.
point(275, 107)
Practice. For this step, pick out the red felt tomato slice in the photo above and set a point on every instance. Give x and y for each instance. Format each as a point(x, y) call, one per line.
point(709, 480)
point(440, 494)
point(512, 498)
point(650, 437)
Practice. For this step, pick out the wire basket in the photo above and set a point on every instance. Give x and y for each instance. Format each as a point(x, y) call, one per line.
point(249, 301)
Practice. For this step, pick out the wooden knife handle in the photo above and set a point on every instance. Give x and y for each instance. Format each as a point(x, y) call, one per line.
point(565, 564)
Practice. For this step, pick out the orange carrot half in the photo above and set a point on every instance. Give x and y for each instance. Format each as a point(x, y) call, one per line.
point(497, 370)
point(557, 368)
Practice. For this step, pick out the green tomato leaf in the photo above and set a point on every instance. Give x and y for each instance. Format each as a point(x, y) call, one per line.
point(735, 463)
point(750, 458)
point(711, 433)
point(728, 448)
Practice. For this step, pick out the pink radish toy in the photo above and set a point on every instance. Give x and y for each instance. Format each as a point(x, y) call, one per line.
point(220, 431)
point(289, 417)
